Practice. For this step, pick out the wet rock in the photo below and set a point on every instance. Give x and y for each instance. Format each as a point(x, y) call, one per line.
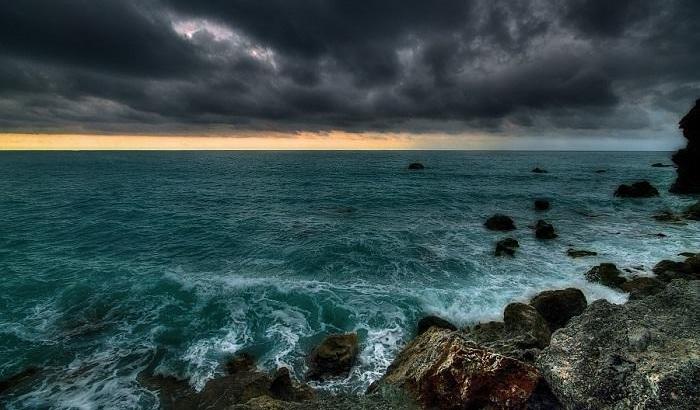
point(642, 189)
point(441, 369)
point(558, 306)
point(334, 357)
point(688, 254)
point(606, 274)
point(660, 165)
point(640, 355)
point(541, 204)
point(500, 222)
point(416, 166)
point(520, 318)
point(667, 216)
point(430, 321)
point(693, 212)
point(688, 158)
point(667, 270)
point(506, 246)
point(538, 170)
point(641, 287)
point(283, 387)
point(18, 379)
point(240, 363)
point(600, 171)
point(544, 230)
point(579, 253)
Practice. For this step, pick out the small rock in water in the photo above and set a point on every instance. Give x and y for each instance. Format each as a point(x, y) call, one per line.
point(600, 171)
point(415, 166)
point(558, 306)
point(506, 246)
point(538, 170)
point(660, 165)
point(544, 230)
point(434, 321)
point(334, 357)
point(606, 274)
point(641, 189)
point(579, 253)
point(541, 204)
point(500, 222)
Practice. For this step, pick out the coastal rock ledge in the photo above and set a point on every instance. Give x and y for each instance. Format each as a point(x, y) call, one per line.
point(644, 354)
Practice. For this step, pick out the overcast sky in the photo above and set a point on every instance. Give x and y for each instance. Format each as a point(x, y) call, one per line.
point(578, 73)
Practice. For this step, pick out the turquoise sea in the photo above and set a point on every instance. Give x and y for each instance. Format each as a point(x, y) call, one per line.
point(111, 260)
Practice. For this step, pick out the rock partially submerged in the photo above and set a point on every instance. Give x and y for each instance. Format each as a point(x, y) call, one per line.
point(579, 253)
point(557, 307)
point(443, 369)
point(416, 166)
point(667, 216)
point(333, 357)
point(506, 246)
point(500, 222)
point(660, 165)
point(538, 170)
point(541, 204)
point(688, 158)
point(667, 270)
point(544, 230)
point(643, 354)
point(693, 212)
point(642, 286)
point(641, 189)
point(606, 274)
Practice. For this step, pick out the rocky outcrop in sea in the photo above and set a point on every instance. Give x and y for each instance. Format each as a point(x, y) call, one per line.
point(688, 158)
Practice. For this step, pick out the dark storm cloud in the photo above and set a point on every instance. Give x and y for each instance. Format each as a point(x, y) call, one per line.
point(177, 65)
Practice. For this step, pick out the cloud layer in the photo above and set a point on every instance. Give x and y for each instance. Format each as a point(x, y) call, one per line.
point(171, 66)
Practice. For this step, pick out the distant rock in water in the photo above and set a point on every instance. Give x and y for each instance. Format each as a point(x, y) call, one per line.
point(558, 306)
point(541, 204)
point(506, 246)
point(415, 166)
point(606, 274)
point(434, 321)
point(334, 357)
point(579, 253)
point(688, 158)
point(660, 165)
point(641, 189)
point(500, 222)
point(600, 171)
point(538, 170)
point(640, 355)
point(544, 230)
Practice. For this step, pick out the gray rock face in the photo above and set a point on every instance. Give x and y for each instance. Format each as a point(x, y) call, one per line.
point(641, 355)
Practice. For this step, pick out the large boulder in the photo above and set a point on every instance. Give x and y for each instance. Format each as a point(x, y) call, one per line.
point(506, 246)
point(558, 306)
point(641, 189)
point(521, 318)
point(442, 369)
point(688, 158)
point(500, 222)
point(430, 321)
point(544, 230)
point(644, 354)
point(606, 274)
point(334, 357)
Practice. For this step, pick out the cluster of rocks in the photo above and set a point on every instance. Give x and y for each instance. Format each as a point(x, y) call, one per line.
point(688, 158)
point(504, 223)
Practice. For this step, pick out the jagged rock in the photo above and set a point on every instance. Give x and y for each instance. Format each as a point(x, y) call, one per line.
point(430, 321)
point(579, 253)
point(641, 287)
point(416, 166)
point(641, 189)
point(640, 355)
point(693, 212)
point(558, 306)
point(243, 384)
point(541, 204)
point(688, 158)
point(520, 318)
point(506, 246)
point(442, 369)
point(544, 230)
point(500, 222)
point(334, 357)
point(538, 170)
point(606, 274)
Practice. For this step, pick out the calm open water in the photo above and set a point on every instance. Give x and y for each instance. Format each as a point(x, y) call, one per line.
point(106, 258)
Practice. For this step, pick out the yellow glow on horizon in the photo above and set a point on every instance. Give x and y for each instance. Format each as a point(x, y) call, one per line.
point(333, 140)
